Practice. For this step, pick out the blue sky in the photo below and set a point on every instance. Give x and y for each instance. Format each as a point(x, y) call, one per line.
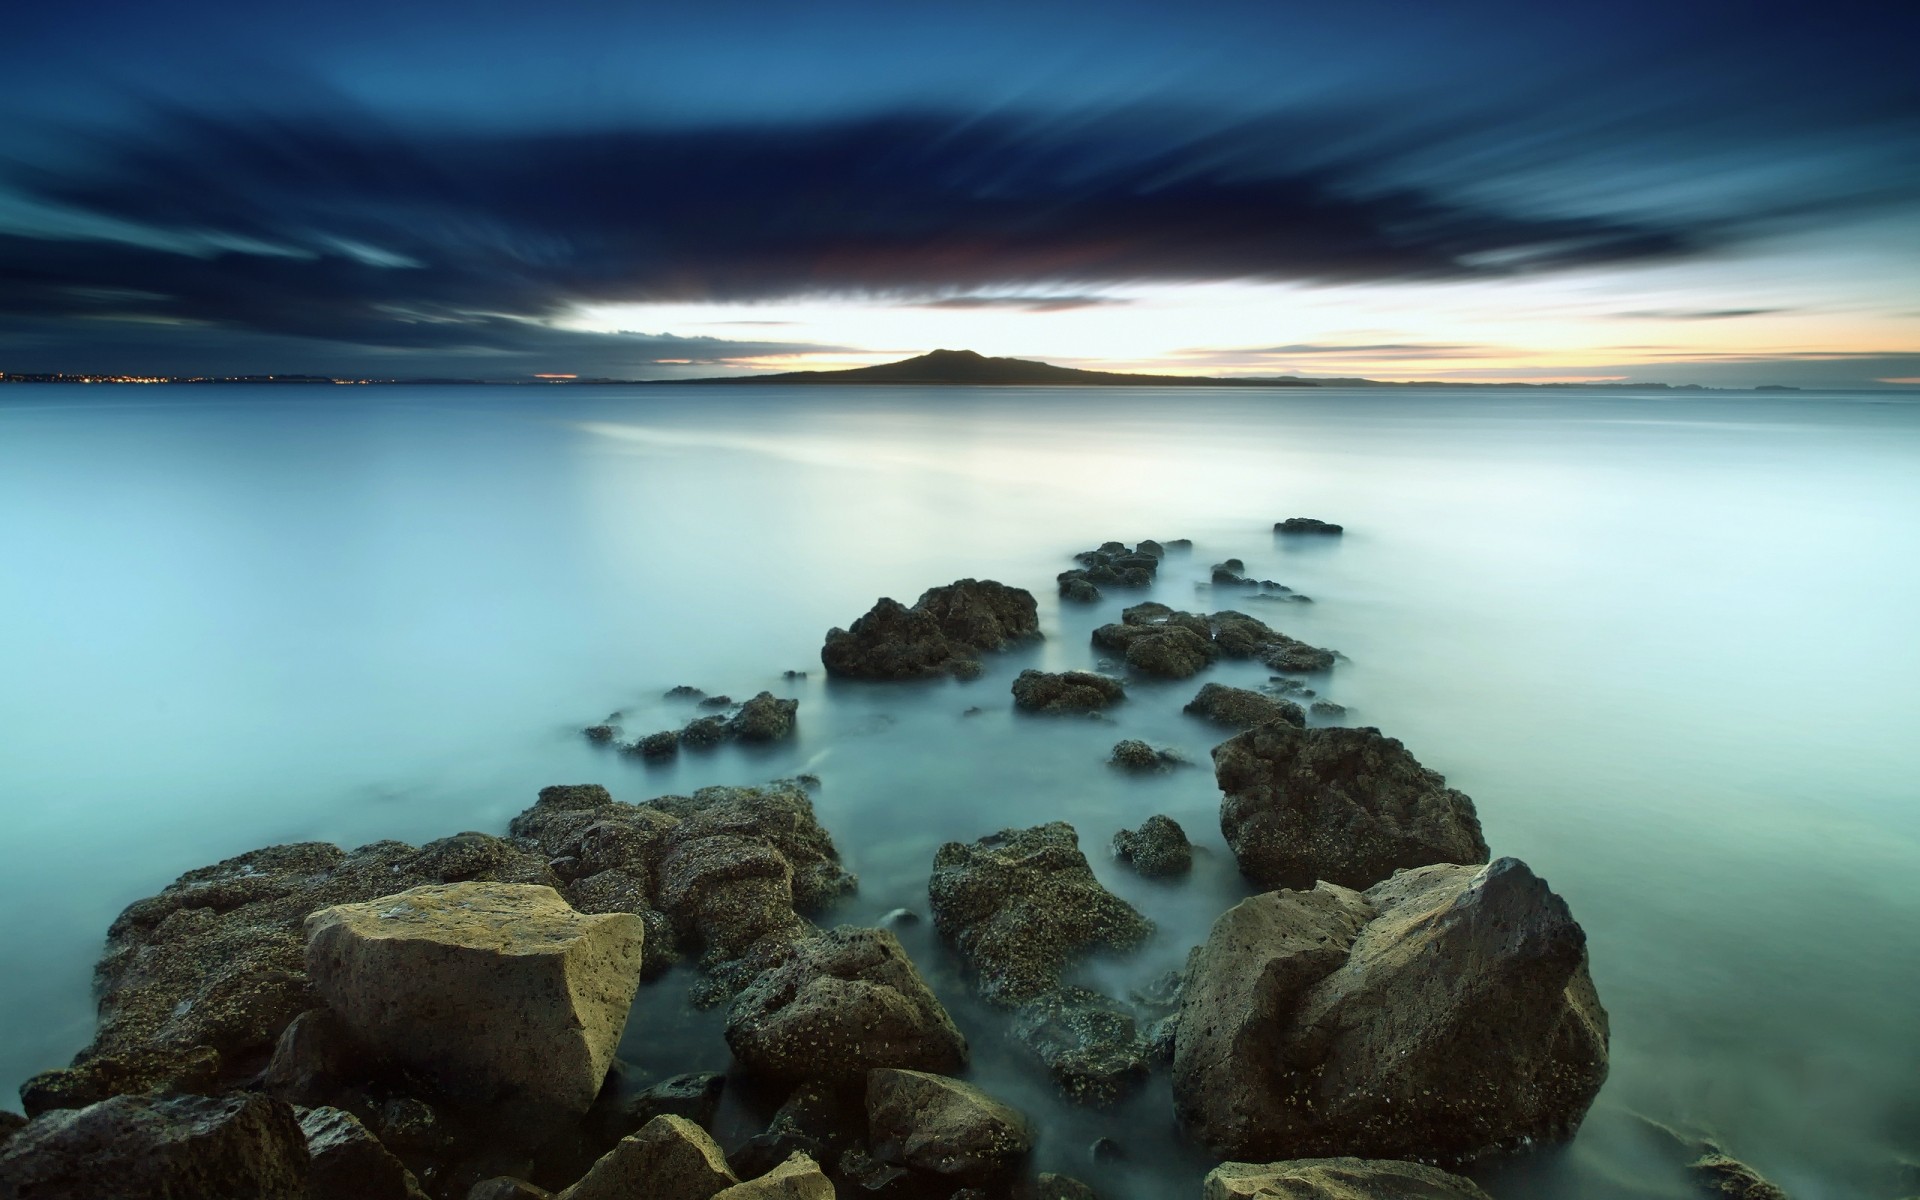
point(1705, 192)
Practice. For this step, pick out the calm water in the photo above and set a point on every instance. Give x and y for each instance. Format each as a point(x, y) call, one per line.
point(1667, 643)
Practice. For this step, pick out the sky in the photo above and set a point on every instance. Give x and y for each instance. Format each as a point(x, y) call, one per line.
point(1699, 191)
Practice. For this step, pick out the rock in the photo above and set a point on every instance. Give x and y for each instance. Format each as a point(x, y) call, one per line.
point(1089, 1043)
point(728, 870)
point(717, 702)
point(1724, 1176)
point(500, 994)
point(1061, 1187)
point(798, 1178)
point(763, 719)
point(243, 1146)
point(198, 982)
point(1239, 708)
point(865, 1175)
point(312, 1058)
point(10, 1124)
point(1327, 709)
point(1022, 905)
point(1350, 806)
point(1066, 691)
point(505, 1187)
point(1076, 587)
point(944, 1127)
point(1306, 525)
point(1173, 653)
point(412, 1126)
point(601, 734)
point(1238, 635)
point(704, 733)
point(1157, 849)
point(1149, 546)
point(1134, 755)
point(834, 1006)
point(684, 692)
point(349, 1163)
point(664, 744)
point(693, 1097)
point(1225, 575)
point(792, 674)
point(945, 632)
point(671, 1158)
point(1446, 1014)
point(1105, 1150)
point(1336, 1179)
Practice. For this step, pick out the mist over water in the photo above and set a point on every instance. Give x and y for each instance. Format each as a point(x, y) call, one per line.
point(1665, 642)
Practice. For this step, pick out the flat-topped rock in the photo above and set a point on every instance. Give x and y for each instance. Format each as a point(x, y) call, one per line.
point(1065, 691)
point(1336, 1179)
point(501, 994)
point(1242, 708)
point(1350, 806)
point(1308, 525)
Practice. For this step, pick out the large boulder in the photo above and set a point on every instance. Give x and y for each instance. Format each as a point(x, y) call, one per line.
point(945, 632)
point(671, 1158)
point(1445, 1014)
point(244, 1146)
point(197, 982)
point(1240, 708)
point(1349, 806)
point(798, 1178)
point(1336, 1179)
point(833, 1007)
point(943, 1127)
point(1022, 905)
point(349, 1163)
point(1065, 691)
point(500, 994)
point(729, 872)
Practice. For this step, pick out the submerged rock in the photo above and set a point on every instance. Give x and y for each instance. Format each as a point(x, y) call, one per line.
point(1158, 848)
point(726, 870)
point(945, 632)
point(1022, 905)
point(1445, 1014)
point(1729, 1177)
point(1349, 806)
point(1065, 691)
point(500, 994)
point(1336, 1179)
point(944, 1127)
point(1306, 525)
point(239, 1147)
point(833, 1007)
point(1241, 636)
point(198, 982)
point(1327, 710)
point(1240, 708)
point(1075, 586)
point(1089, 1043)
point(1135, 755)
point(670, 1159)
point(764, 718)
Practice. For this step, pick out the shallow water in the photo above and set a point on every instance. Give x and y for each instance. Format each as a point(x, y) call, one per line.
point(1666, 642)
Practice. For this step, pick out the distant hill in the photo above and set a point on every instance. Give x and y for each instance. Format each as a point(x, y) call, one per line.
point(966, 368)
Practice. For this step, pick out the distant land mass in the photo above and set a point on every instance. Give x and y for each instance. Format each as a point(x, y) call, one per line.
point(939, 368)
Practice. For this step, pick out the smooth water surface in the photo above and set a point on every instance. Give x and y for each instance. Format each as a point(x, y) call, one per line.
point(1667, 642)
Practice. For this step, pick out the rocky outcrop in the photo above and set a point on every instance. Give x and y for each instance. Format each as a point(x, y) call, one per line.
point(670, 1159)
point(944, 633)
point(1240, 708)
point(1240, 636)
point(726, 871)
point(349, 1163)
point(198, 982)
point(1445, 1014)
point(765, 718)
point(1722, 1175)
point(1307, 525)
point(832, 1007)
point(1022, 905)
point(943, 1127)
point(1111, 565)
point(240, 1147)
point(1138, 756)
point(1158, 640)
point(1157, 849)
point(1349, 806)
point(1336, 1179)
point(1065, 691)
point(500, 994)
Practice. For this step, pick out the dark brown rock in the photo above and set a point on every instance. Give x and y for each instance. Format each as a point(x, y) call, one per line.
point(1350, 806)
point(945, 632)
point(1336, 1179)
point(1065, 691)
point(1307, 525)
point(349, 1163)
point(1158, 848)
point(1240, 708)
point(239, 1147)
point(944, 1127)
point(765, 718)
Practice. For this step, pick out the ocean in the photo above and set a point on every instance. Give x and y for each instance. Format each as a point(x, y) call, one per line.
point(1666, 641)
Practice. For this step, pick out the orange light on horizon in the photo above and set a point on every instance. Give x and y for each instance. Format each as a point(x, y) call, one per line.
point(556, 377)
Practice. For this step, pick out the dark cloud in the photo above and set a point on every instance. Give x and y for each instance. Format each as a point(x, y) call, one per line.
point(1697, 314)
point(1033, 304)
point(1322, 350)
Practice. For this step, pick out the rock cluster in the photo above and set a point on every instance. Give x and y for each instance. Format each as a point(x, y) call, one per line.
point(1134, 755)
point(1349, 806)
point(1158, 848)
point(1158, 640)
point(1336, 1179)
point(1242, 708)
point(725, 872)
point(1444, 1014)
point(1233, 574)
point(1112, 565)
point(765, 718)
point(944, 633)
point(1065, 691)
point(1021, 907)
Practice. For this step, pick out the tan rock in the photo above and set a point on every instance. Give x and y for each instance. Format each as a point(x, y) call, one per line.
point(671, 1158)
point(953, 1129)
point(500, 993)
point(798, 1178)
point(1336, 1179)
